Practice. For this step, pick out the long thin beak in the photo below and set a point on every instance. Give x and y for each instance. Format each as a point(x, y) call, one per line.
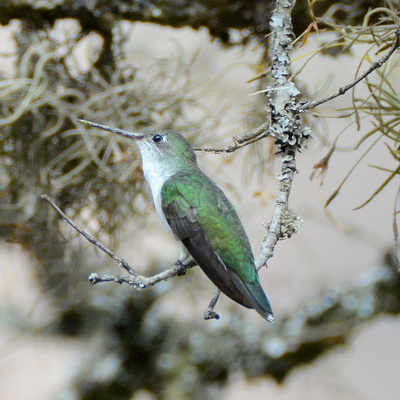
point(121, 132)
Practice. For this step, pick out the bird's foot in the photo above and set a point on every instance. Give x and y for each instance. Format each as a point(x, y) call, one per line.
point(181, 269)
point(210, 314)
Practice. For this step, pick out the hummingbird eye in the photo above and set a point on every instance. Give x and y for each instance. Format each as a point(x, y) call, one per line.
point(157, 138)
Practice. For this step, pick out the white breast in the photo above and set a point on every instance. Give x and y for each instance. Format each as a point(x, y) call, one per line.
point(156, 175)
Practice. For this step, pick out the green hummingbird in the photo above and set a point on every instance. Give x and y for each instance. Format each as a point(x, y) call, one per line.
point(199, 216)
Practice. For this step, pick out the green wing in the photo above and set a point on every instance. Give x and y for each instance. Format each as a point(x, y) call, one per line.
point(201, 216)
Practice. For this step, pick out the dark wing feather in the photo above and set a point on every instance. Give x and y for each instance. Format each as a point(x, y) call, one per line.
point(180, 210)
point(187, 229)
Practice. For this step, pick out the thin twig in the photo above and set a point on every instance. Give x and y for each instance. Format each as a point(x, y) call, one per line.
point(141, 281)
point(377, 191)
point(336, 192)
point(134, 279)
point(240, 141)
point(261, 131)
point(344, 89)
point(121, 263)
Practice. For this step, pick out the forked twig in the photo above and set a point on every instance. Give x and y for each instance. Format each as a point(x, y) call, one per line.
point(251, 137)
point(344, 89)
point(133, 279)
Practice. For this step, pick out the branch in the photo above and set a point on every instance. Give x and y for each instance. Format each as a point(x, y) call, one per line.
point(141, 281)
point(98, 14)
point(121, 263)
point(345, 89)
point(285, 127)
point(133, 279)
point(240, 141)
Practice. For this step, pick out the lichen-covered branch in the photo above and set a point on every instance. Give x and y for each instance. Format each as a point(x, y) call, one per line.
point(285, 127)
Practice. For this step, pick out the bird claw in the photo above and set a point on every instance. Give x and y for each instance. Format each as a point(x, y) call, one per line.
point(181, 269)
point(210, 314)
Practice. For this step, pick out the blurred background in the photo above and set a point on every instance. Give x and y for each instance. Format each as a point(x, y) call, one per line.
point(194, 68)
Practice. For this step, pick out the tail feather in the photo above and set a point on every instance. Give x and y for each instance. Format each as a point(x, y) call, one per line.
point(255, 295)
point(250, 295)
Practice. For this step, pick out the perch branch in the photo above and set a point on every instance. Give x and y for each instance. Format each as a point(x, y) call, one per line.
point(133, 279)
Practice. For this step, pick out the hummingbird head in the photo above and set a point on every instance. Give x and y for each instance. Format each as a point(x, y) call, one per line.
point(164, 150)
point(165, 147)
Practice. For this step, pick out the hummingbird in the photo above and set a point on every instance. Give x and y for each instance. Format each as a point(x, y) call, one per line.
point(199, 216)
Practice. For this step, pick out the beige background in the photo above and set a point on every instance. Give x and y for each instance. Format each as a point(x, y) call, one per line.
point(322, 254)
